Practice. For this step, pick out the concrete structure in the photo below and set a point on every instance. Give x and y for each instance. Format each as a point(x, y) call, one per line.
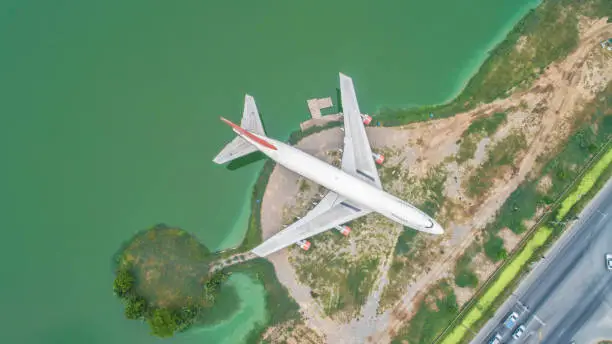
point(354, 189)
point(320, 121)
point(568, 295)
point(315, 105)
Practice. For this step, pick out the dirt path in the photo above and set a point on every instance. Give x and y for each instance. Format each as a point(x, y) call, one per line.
point(568, 83)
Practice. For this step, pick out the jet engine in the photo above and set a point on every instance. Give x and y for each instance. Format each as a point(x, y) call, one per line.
point(379, 158)
point(303, 244)
point(366, 119)
point(345, 230)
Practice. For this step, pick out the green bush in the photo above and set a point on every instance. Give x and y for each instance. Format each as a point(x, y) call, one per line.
point(135, 307)
point(124, 282)
point(428, 322)
point(494, 248)
point(466, 279)
point(487, 125)
point(163, 322)
point(464, 275)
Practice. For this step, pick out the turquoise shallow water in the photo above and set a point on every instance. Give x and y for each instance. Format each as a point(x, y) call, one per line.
point(109, 123)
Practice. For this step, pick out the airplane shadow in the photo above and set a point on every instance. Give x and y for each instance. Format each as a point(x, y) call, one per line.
point(338, 99)
point(245, 160)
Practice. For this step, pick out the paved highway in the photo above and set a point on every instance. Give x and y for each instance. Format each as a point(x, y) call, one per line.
point(568, 294)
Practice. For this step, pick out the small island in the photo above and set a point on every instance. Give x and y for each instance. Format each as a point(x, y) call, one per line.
point(162, 276)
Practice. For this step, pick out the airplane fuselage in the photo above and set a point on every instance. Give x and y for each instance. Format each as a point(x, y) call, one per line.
point(347, 185)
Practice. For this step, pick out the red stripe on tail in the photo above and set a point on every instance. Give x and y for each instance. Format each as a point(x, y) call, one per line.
point(248, 134)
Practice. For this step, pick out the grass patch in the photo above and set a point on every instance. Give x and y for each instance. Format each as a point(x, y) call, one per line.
point(304, 185)
point(467, 147)
point(487, 125)
point(406, 242)
point(361, 279)
point(411, 251)
point(585, 185)
point(342, 284)
point(426, 193)
point(520, 206)
point(478, 129)
point(494, 248)
point(435, 311)
point(501, 154)
point(464, 274)
point(433, 188)
point(408, 255)
point(582, 202)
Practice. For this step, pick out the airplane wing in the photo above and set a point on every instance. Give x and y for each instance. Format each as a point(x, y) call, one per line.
point(333, 210)
point(357, 156)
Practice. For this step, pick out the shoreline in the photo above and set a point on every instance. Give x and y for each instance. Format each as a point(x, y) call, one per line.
point(485, 53)
point(473, 66)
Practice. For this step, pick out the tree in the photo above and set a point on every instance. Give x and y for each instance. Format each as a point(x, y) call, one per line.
point(163, 322)
point(466, 279)
point(124, 282)
point(135, 307)
point(494, 248)
point(212, 286)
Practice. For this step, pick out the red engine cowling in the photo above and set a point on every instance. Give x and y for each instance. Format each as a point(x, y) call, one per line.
point(366, 119)
point(379, 158)
point(345, 230)
point(303, 244)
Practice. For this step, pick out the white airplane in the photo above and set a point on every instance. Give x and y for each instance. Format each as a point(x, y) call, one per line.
point(354, 189)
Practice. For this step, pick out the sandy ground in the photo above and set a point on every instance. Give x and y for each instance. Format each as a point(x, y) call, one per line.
point(555, 97)
point(510, 239)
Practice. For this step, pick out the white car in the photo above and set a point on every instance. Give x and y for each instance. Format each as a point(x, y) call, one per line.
point(519, 332)
point(609, 261)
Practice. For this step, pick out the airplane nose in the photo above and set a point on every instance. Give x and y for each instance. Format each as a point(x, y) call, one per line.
point(437, 229)
point(433, 227)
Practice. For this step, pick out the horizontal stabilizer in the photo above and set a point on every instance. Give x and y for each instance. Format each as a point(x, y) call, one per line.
point(237, 148)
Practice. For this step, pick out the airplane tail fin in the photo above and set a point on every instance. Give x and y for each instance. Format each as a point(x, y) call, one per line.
point(240, 147)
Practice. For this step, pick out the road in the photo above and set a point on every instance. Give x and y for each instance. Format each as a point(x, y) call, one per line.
point(568, 294)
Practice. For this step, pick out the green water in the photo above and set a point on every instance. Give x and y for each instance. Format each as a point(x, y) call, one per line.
point(109, 121)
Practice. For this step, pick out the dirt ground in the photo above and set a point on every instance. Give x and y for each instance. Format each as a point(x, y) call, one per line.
point(293, 332)
point(555, 97)
point(510, 239)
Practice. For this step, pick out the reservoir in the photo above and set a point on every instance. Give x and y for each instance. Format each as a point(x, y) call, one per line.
point(109, 123)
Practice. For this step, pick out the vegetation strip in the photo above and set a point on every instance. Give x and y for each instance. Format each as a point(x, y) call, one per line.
point(585, 185)
point(506, 273)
